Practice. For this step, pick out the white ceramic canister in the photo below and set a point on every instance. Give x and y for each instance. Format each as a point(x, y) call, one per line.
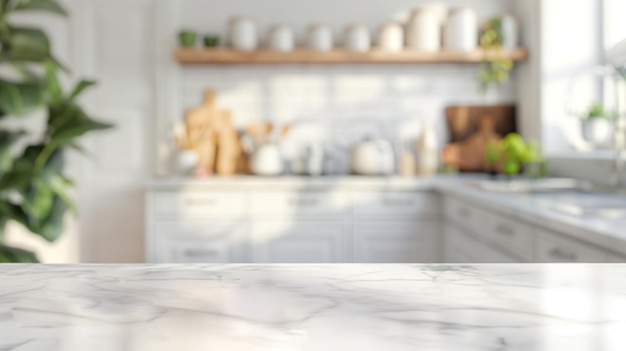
point(510, 32)
point(358, 38)
point(243, 34)
point(391, 37)
point(424, 30)
point(461, 31)
point(427, 153)
point(281, 38)
point(320, 37)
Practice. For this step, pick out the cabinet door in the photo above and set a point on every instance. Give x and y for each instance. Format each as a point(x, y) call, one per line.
point(556, 248)
point(396, 242)
point(289, 241)
point(199, 242)
point(460, 247)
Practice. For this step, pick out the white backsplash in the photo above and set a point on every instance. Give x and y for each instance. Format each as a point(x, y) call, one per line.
point(342, 103)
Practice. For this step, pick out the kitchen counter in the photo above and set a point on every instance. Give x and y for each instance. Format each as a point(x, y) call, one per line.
point(312, 307)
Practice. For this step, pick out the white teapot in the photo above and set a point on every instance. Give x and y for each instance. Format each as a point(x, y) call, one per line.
point(374, 157)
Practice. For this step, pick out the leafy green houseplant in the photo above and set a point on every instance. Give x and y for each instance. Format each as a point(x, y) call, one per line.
point(33, 186)
point(495, 68)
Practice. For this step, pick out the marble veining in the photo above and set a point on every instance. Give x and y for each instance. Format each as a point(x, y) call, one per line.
point(312, 307)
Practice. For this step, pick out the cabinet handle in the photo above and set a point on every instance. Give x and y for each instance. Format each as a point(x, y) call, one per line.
point(304, 202)
point(199, 202)
point(398, 202)
point(200, 253)
point(504, 230)
point(563, 255)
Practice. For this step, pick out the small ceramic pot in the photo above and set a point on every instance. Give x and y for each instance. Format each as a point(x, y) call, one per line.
point(424, 30)
point(267, 160)
point(281, 38)
point(187, 38)
point(244, 35)
point(211, 41)
point(320, 37)
point(510, 32)
point(461, 32)
point(358, 38)
point(598, 131)
point(391, 37)
point(186, 162)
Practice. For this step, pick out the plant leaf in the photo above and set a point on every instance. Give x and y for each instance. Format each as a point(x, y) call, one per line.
point(52, 83)
point(7, 138)
point(40, 5)
point(72, 123)
point(51, 227)
point(28, 44)
point(80, 87)
point(12, 255)
point(18, 99)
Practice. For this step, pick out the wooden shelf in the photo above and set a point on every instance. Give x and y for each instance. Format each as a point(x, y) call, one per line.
point(338, 56)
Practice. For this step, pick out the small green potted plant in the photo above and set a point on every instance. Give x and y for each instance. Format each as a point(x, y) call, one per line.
point(495, 68)
point(598, 125)
point(513, 154)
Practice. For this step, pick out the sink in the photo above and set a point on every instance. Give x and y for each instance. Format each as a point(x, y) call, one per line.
point(567, 196)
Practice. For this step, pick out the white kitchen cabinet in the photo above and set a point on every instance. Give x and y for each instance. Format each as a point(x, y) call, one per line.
point(199, 204)
point(460, 247)
point(193, 241)
point(298, 241)
point(513, 236)
point(299, 204)
point(556, 248)
point(404, 205)
point(396, 242)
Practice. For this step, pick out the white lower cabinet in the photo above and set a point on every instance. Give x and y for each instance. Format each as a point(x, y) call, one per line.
point(395, 242)
point(555, 248)
point(306, 241)
point(197, 241)
point(461, 247)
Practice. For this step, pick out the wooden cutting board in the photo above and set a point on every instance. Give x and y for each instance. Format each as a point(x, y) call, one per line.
point(463, 121)
point(471, 129)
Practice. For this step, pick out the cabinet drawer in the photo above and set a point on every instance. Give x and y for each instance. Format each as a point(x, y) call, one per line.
point(554, 248)
point(517, 238)
point(299, 203)
point(460, 247)
point(199, 204)
point(199, 252)
point(466, 215)
point(297, 241)
point(394, 204)
point(211, 230)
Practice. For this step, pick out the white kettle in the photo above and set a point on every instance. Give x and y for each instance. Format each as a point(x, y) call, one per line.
point(372, 158)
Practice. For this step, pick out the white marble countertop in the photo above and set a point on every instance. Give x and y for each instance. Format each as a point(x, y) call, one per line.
point(312, 307)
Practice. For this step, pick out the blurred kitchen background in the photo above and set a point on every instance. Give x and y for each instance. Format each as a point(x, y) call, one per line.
point(301, 96)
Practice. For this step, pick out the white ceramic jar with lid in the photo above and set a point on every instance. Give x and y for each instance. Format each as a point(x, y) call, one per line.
point(358, 38)
point(243, 34)
point(320, 37)
point(461, 31)
point(281, 38)
point(510, 32)
point(391, 37)
point(424, 29)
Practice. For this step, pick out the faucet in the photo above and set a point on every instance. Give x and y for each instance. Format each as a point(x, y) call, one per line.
point(619, 163)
